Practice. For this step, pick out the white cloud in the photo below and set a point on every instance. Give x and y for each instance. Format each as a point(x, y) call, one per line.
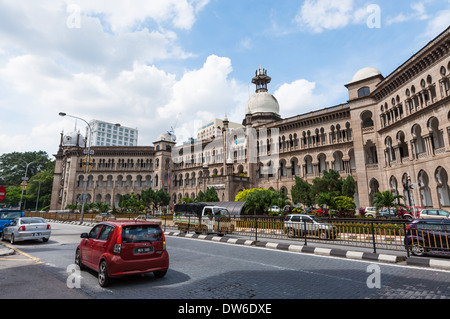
point(120, 15)
point(203, 94)
point(320, 15)
point(298, 97)
point(144, 97)
point(418, 13)
point(437, 24)
point(41, 28)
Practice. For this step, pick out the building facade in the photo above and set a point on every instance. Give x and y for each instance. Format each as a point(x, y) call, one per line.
point(392, 131)
point(109, 134)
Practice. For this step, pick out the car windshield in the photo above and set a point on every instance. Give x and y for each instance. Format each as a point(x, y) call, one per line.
point(141, 233)
point(10, 215)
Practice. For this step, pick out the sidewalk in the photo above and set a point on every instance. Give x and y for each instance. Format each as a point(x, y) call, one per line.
point(6, 251)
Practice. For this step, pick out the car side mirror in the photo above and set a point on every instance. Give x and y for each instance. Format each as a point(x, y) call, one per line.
point(84, 235)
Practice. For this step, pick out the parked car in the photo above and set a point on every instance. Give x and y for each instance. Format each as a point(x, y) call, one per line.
point(385, 213)
point(118, 248)
point(428, 235)
point(434, 214)
point(370, 212)
point(27, 228)
point(104, 216)
point(274, 209)
point(297, 224)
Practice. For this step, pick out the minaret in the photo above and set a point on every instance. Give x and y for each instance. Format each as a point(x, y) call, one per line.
point(261, 80)
point(262, 107)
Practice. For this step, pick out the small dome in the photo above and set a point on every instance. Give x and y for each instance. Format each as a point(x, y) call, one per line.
point(73, 139)
point(365, 73)
point(262, 102)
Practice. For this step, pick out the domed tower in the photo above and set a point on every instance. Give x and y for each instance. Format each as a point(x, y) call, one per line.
point(262, 107)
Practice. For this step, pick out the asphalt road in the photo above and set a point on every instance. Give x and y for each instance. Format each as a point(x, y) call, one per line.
point(209, 270)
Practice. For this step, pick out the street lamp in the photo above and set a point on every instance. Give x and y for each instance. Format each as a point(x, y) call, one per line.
point(88, 139)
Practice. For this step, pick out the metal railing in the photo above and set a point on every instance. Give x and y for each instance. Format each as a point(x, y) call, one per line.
point(386, 234)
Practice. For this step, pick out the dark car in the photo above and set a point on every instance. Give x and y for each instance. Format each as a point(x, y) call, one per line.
point(428, 236)
point(385, 213)
point(119, 248)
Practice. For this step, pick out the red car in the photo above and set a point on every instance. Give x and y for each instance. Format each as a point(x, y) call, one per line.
point(118, 248)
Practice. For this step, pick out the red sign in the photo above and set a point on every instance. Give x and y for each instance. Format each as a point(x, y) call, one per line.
point(2, 193)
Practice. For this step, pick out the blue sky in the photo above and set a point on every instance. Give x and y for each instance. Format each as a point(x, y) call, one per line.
point(151, 64)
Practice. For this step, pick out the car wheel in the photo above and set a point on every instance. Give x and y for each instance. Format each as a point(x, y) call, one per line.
point(103, 279)
point(160, 274)
point(45, 240)
point(323, 234)
point(418, 250)
point(3, 236)
point(78, 261)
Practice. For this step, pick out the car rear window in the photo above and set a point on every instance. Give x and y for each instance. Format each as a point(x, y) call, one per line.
point(140, 233)
point(32, 220)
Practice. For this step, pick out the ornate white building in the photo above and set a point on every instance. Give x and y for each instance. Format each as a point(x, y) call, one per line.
point(390, 128)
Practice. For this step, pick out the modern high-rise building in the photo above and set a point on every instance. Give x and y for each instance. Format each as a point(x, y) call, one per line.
point(109, 134)
point(213, 128)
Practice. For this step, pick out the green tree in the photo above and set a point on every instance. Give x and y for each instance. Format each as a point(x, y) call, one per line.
point(259, 201)
point(130, 201)
point(386, 199)
point(240, 196)
point(39, 188)
point(101, 207)
point(330, 182)
point(345, 205)
point(13, 166)
point(72, 207)
point(13, 194)
point(209, 196)
point(326, 199)
point(148, 197)
point(161, 198)
point(348, 186)
point(301, 192)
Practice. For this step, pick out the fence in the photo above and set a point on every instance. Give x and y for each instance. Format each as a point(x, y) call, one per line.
point(375, 234)
point(387, 234)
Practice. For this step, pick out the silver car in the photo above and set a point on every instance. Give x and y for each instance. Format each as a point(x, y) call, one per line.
point(27, 228)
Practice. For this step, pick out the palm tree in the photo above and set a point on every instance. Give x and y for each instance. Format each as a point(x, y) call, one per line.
point(386, 199)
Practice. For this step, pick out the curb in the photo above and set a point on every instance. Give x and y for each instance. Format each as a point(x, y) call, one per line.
point(5, 251)
point(332, 252)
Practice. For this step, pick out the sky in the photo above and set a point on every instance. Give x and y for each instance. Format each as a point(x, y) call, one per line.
point(155, 65)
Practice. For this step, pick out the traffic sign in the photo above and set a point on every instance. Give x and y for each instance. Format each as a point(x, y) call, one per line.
point(2, 193)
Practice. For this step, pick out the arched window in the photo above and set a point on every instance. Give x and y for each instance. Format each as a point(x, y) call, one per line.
point(364, 91)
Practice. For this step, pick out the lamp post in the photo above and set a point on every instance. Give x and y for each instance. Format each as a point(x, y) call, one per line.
point(37, 200)
point(410, 194)
point(88, 139)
